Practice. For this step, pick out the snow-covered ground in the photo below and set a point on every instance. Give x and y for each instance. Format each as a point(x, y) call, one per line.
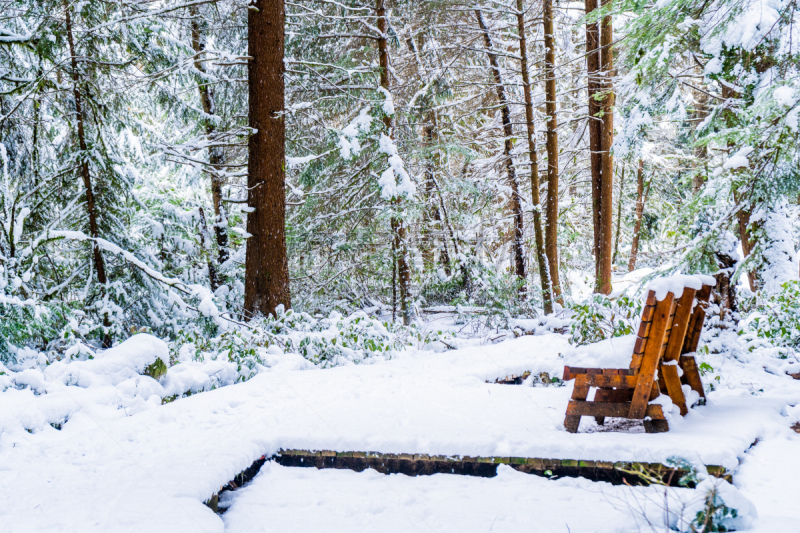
point(151, 469)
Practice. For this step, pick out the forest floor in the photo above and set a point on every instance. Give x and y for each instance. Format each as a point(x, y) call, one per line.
point(152, 470)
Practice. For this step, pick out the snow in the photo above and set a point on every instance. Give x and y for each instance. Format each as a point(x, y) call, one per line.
point(302, 499)
point(390, 187)
point(294, 162)
point(388, 102)
point(738, 159)
point(767, 477)
point(348, 141)
point(149, 466)
point(784, 95)
point(677, 282)
point(780, 265)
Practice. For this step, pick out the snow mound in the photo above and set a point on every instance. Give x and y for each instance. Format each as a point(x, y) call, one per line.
point(113, 366)
point(677, 282)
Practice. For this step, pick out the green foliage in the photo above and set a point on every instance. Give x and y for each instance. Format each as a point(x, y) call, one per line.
point(476, 283)
point(326, 342)
point(713, 514)
point(776, 318)
point(156, 369)
point(40, 327)
point(602, 318)
point(354, 339)
point(237, 346)
point(689, 476)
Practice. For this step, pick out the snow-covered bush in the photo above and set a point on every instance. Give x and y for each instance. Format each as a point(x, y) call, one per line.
point(27, 325)
point(332, 341)
point(722, 508)
point(776, 318)
point(601, 318)
point(476, 283)
point(343, 340)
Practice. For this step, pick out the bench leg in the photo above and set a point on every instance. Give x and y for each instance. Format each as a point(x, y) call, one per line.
point(656, 423)
point(691, 375)
point(579, 393)
point(656, 426)
point(669, 374)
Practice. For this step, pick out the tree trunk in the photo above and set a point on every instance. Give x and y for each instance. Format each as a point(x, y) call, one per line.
point(508, 132)
point(216, 155)
point(433, 203)
point(541, 258)
point(603, 282)
point(641, 198)
point(619, 215)
point(551, 224)
point(432, 215)
point(699, 114)
point(91, 208)
point(266, 264)
point(205, 245)
point(743, 214)
point(725, 290)
point(595, 126)
point(429, 210)
point(397, 222)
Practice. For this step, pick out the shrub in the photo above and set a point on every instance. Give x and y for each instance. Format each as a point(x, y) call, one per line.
point(352, 339)
point(475, 283)
point(602, 318)
point(776, 318)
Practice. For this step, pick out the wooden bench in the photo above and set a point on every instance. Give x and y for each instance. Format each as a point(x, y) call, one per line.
point(669, 332)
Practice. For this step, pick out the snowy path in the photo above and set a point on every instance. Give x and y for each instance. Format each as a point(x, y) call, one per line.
point(303, 499)
point(151, 471)
point(284, 499)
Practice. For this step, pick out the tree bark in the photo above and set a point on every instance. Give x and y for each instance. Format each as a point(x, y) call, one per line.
point(397, 222)
point(541, 258)
point(515, 203)
point(430, 190)
point(641, 199)
point(91, 207)
point(432, 215)
point(266, 263)
point(551, 224)
point(216, 154)
point(725, 290)
point(205, 242)
point(619, 215)
point(699, 114)
point(743, 214)
point(594, 125)
point(603, 282)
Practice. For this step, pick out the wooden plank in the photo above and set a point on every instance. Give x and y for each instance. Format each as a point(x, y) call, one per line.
point(668, 374)
point(614, 381)
point(647, 314)
point(691, 375)
point(652, 355)
point(609, 409)
point(571, 372)
point(662, 384)
point(613, 395)
point(579, 393)
point(704, 294)
point(696, 321)
point(644, 330)
point(655, 392)
point(680, 326)
point(673, 381)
